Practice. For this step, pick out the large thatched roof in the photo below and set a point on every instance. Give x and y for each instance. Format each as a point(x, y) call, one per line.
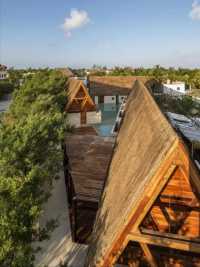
point(144, 143)
point(115, 85)
point(66, 72)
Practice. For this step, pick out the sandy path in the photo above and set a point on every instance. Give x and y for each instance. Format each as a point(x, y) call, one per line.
point(60, 246)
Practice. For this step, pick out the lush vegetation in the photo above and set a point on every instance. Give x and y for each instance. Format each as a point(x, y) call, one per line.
point(6, 87)
point(19, 76)
point(182, 105)
point(15, 79)
point(31, 133)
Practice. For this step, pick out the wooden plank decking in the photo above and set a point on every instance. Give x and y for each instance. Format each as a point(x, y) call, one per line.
point(87, 162)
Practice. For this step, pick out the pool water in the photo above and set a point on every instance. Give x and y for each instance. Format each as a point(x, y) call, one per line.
point(109, 114)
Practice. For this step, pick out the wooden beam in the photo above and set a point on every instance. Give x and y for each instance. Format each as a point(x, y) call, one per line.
point(169, 235)
point(148, 254)
point(177, 206)
point(141, 209)
point(165, 242)
point(155, 192)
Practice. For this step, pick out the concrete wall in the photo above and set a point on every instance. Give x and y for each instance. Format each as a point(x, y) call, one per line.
point(74, 119)
point(3, 75)
point(96, 100)
point(110, 99)
point(179, 87)
point(94, 117)
point(121, 98)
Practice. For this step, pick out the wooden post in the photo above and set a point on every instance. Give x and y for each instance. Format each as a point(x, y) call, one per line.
point(83, 117)
point(74, 219)
point(148, 255)
point(70, 189)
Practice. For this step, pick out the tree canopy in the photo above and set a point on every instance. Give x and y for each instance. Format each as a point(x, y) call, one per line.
point(31, 133)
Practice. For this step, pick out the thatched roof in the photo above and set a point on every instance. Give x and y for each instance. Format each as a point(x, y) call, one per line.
point(144, 143)
point(73, 87)
point(66, 72)
point(115, 85)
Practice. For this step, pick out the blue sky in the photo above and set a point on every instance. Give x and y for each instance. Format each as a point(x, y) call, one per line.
point(106, 32)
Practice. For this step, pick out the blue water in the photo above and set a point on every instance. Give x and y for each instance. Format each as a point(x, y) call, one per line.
point(109, 114)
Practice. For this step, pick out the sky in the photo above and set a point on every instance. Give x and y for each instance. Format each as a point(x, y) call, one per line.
point(80, 33)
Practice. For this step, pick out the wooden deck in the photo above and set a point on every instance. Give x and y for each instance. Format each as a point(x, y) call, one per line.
point(87, 159)
point(85, 130)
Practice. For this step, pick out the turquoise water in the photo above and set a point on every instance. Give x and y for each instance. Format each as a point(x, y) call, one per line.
point(109, 114)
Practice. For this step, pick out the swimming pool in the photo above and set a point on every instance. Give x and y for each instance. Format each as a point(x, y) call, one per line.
point(109, 114)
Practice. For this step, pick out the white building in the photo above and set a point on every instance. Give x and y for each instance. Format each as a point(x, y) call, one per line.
point(3, 72)
point(174, 88)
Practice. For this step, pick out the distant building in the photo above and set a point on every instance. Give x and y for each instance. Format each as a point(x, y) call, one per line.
point(80, 107)
point(174, 87)
point(3, 72)
point(189, 128)
point(114, 89)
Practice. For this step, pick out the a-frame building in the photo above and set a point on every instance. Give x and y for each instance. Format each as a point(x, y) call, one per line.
point(150, 209)
point(80, 106)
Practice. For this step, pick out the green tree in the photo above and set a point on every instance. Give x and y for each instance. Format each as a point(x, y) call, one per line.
point(30, 159)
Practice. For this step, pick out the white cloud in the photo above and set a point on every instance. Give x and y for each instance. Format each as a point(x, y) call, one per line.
point(195, 12)
point(77, 19)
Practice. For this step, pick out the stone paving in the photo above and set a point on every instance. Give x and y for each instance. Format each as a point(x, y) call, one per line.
point(59, 248)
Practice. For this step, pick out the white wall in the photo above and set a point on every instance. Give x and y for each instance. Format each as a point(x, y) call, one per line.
point(3, 75)
point(179, 87)
point(74, 119)
point(93, 117)
point(121, 98)
point(109, 99)
point(96, 100)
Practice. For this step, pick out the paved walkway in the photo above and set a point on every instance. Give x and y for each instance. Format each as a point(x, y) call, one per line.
point(60, 246)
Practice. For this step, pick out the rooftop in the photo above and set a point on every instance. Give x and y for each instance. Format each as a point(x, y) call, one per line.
point(146, 150)
point(143, 143)
point(115, 85)
point(188, 127)
point(89, 157)
point(66, 72)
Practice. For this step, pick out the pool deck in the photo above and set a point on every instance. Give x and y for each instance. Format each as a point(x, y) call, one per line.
point(59, 248)
point(109, 115)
